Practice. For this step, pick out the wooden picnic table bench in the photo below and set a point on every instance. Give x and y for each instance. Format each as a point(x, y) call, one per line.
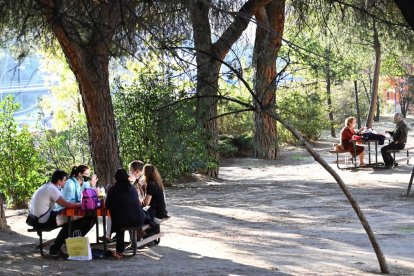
point(339, 150)
point(39, 231)
point(146, 239)
point(407, 158)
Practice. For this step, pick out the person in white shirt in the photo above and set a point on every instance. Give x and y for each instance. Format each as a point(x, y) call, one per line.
point(42, 204)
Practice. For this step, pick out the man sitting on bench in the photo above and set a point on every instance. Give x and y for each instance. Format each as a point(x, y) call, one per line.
point(42, 204)
point(399, 136)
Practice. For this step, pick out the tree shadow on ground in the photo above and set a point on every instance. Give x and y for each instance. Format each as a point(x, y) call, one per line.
point(20, 256)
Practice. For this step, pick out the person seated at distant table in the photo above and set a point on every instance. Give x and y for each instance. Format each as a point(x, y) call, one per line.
point(399, 137)
point(346, 135)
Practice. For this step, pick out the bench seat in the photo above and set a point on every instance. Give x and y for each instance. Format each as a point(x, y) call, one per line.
point(147, 239)
point(340, 151)
point(39, 231)
point(407, 158)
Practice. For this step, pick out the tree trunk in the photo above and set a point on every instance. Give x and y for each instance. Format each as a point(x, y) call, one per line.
point(329, 96)
point(93, 81)
point(209, 58)
point(366, 92)
point(89, 61)
point(374, 96)
point(3, 222)
point(207, 81)
point(269, 32)
point(357, 104)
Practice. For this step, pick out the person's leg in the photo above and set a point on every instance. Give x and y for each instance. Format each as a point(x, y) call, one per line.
point(120, 246)
point(83, 224)
point(60, 239)
point(386, 156)
point(108, 227)
point(361, 159)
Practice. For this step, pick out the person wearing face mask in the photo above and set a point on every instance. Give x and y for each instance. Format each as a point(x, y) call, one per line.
point(72, 192)
point(78, 181)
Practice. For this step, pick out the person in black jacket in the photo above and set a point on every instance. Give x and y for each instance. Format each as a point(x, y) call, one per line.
point(122, 202)
point(399, 137)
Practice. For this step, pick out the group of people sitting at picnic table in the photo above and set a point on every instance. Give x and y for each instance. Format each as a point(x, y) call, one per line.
point(398, 135)
point(136, 198)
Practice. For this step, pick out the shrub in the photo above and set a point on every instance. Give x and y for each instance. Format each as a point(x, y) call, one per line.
point(21, 165)
point(304, 110)
point(153, 131)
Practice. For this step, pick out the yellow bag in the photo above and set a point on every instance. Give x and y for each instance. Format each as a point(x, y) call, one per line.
point(79, 248)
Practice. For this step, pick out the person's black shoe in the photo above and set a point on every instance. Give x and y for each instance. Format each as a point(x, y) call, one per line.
point(57, 253)
point(107, 240)
point(395, 164)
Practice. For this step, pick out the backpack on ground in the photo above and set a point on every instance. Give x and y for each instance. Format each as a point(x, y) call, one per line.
point(90, 199)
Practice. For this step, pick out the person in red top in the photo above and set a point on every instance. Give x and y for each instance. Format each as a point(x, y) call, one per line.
point(346, 134)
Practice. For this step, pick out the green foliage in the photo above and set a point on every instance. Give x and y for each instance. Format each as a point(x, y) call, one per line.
point(305, 110)
point(64, 149)
point(151, 130)
point(21, 165)
point(343, 102)
point(235, 146)
point(67, 143)
point(236, 128)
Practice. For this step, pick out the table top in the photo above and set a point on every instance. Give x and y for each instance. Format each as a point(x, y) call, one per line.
point(79, 212)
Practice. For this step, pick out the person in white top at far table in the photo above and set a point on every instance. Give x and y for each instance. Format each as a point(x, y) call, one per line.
point(42, 204)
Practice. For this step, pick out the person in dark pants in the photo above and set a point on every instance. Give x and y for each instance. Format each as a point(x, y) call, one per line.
point(41, 206)
point(123, 204)
point(399, 137)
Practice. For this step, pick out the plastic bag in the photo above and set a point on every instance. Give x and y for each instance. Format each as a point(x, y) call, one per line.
point(78, 247)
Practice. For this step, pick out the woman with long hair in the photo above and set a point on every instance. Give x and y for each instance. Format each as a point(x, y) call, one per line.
point(122, 203)
point(155, 197)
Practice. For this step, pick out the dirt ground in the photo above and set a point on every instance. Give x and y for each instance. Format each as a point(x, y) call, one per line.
point(281, 217)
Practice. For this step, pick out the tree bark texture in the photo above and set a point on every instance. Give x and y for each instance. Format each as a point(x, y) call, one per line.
point(377, 249)
point(329, 97)
point(375, 82)
point(89, 61)
point(3, 222)
point(209, 57)
point(268, 40)
point(358, 115)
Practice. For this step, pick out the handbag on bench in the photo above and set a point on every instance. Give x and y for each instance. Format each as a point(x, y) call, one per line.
point(33, 221)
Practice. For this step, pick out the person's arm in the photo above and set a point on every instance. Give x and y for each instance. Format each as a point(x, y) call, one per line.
point(62, 202)
point(362, 130)
point(397, 134)
point(94, 180)
point(150, 191)
point(147, 200)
